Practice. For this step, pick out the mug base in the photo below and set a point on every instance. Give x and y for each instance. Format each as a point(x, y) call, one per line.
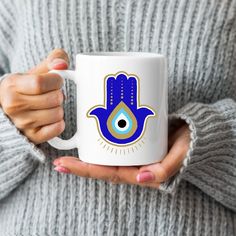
point(120, 163)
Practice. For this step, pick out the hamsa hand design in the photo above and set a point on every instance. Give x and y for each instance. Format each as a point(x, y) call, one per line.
point(121, 119)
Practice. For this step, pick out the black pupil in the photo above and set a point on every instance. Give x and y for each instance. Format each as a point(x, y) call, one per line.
point(121, 123)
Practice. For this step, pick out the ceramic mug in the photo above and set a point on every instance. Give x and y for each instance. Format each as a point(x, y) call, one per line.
point(122, 113)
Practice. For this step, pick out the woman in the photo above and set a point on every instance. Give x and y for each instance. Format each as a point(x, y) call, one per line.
point(192, 192)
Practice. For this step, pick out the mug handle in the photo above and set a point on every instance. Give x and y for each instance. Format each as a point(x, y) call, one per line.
point(57, 142)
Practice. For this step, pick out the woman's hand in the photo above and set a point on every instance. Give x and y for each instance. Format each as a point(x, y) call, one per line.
point(33, 100)
point(149, 175)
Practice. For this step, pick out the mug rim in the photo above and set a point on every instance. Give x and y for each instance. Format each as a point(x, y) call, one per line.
point(121, 54)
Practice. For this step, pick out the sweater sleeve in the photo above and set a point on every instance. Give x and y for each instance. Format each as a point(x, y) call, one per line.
point(18, 156)
point(210, 163)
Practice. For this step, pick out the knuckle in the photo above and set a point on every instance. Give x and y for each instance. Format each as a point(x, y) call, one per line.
point(162, 174)
point(37, 81)
point(9, 110)
point(115, 179)
point(24, 123)
point(9, 80)
point(32, 136)
point(60, 127)
point(88, 172)
point(37, 139)
point(59, 52)
point(58, 98)
point(11, 104)
point(9, 83)
point(63, 162)
point(59, 113)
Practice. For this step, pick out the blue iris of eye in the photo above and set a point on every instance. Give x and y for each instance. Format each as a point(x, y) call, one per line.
point(122, 123)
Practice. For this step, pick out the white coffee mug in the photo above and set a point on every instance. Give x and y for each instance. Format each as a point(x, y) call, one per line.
point(122, 111)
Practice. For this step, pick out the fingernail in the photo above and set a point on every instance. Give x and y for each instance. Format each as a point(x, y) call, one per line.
point(56, 162)
point(62, 169)
point(58, 64)
point(145, 176)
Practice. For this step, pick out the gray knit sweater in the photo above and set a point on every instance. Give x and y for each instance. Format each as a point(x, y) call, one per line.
point(199, 39)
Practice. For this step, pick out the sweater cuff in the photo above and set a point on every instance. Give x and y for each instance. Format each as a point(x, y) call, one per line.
point(12, 139)
point(212, 136)
point(170, 186)
point(18, 156)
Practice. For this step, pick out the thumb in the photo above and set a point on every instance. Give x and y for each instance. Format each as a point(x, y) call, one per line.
point(57, 60)
point(169, 166)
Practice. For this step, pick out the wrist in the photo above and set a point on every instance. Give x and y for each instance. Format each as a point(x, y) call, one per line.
point(1, 79)
point(176, 125)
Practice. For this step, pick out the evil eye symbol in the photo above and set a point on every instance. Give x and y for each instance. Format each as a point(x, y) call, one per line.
point(121, 120)
point(122, 123)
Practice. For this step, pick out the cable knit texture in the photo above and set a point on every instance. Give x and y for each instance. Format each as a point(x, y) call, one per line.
point(198, 38)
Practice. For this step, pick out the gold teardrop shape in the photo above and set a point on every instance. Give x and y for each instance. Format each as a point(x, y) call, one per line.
point(132, 119)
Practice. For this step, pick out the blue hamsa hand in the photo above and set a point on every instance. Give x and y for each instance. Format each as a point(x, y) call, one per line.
point(121, 120)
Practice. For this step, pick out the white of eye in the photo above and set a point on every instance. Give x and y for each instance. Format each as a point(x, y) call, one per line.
point(122, 123)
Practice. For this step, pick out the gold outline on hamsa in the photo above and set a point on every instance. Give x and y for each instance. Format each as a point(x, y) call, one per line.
point(138, 106)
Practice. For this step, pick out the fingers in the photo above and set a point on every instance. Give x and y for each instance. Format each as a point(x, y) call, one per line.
point(43, 101)
point(45, 133)
point(57, 59)
point(161, 172)
point(37, 84)
point(114, 174)
point(33, 101)
point(148, 176)
point(175, 131)
point(84, 169)
point(127, 174)
point(38, 118)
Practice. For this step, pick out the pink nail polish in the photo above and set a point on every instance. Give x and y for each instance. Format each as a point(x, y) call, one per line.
point(62, 169)
point(145, 176)
point(58, 64)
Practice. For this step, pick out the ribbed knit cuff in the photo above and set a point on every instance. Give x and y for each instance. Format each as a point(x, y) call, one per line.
point(18, 156)
point(210, 163)
point(11, 137)
point(187, 114)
